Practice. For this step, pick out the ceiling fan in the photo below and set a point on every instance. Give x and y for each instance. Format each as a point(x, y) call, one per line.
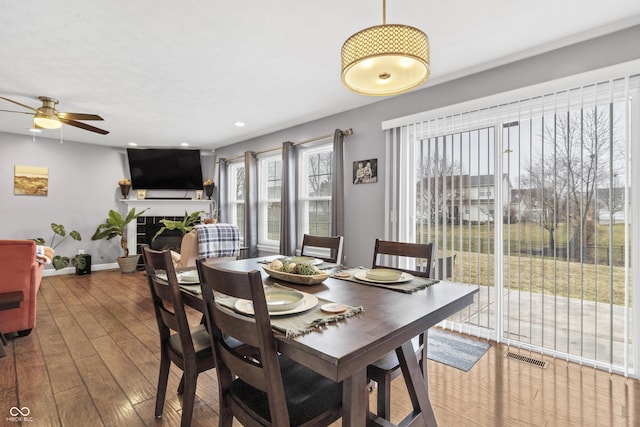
point(47, 117)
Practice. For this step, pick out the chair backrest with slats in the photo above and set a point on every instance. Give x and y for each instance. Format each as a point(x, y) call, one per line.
point(444, 267)
point(420, 252)
point(332, 243)
point(167, 298)
point(261, 369)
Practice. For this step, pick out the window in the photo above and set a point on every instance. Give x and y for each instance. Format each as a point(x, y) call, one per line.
point(236, 196)
point(314, 190)
point(270, 189)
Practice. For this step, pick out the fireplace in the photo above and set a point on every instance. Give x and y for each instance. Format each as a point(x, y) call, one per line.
point(155, 210)
point(169, 239)
point(148, 226)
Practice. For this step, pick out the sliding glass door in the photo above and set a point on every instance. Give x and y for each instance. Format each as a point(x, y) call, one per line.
point(531, 200)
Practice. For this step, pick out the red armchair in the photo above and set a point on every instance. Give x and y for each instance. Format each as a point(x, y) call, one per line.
point(19, 271)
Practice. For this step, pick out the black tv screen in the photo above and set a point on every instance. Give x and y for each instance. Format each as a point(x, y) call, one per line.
point(165, 169)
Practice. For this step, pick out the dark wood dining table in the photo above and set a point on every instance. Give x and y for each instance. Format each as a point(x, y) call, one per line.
point(342, 350)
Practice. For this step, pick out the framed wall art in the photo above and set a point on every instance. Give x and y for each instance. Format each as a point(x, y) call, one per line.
point(365, 171)
point(30, 180)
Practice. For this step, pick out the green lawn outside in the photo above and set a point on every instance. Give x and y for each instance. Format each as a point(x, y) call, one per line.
point(533, 273)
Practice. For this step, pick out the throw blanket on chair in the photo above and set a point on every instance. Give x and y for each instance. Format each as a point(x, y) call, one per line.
point(218, 240)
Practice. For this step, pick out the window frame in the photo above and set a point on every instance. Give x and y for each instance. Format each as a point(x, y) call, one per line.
point(264, 243)
point(303, 198)
point(232, 201)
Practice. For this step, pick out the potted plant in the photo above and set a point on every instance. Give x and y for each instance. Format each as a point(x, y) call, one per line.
point(60, 261)
point(115, 226)
point(185, 225)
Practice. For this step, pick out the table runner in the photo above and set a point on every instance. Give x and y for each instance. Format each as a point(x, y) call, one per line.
point(294, 325)
point(415, 284)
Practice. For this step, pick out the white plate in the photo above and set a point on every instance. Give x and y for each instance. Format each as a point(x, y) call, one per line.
point(194, 289)
point(190, 276)
point(308, 302)
point(384, 274)
point(282, 299)
point(189, 280)
point(362, 275)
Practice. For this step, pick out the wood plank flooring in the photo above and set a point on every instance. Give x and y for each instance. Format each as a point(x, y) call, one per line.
point(93, 360)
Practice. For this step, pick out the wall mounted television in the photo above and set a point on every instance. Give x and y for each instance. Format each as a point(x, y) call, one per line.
point(165, 169)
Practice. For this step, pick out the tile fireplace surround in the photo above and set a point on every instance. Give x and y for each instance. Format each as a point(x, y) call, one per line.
point(161, 208)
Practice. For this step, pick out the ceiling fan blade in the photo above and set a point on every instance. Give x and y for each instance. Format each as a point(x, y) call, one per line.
point(17, 103)
point(84, 126)
point(19, 112)
point(79, 116)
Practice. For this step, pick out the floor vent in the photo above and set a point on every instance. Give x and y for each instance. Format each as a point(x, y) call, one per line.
point(526, 359)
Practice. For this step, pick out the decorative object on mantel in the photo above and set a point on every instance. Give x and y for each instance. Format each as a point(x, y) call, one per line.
point(385, 59)
point(365, 171)
point(208, 186)
point(125, 186)
point(142, 194)
point(115, 226)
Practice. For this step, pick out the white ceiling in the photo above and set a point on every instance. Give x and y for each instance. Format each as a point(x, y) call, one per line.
point(164, 72)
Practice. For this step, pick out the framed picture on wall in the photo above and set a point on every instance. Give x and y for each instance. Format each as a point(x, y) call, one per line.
point(365, 171)
point(31, 180)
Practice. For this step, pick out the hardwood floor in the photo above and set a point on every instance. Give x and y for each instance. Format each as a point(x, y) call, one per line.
point(93, 360)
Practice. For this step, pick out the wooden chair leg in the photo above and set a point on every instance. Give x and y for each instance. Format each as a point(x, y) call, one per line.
point(181, 385)
point(163, 379)
point(225, 417)
point(188, 397)
point(384, 398)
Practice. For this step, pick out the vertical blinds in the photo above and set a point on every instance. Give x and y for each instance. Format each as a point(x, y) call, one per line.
point(534, 199)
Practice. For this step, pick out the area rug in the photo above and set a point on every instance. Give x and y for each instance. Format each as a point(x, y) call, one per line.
point(454, 350)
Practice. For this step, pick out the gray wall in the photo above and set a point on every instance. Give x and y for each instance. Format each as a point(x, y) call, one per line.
point(364, 203)
point(83, 186)
point(83, 178)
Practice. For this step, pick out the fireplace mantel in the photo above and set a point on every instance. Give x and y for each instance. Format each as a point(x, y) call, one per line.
point(169, 207)
point(162, 207)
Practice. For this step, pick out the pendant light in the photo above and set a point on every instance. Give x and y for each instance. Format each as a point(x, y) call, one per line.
point(385, 59)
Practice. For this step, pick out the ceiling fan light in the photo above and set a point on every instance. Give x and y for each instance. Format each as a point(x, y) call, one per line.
point(385, 60)
point(46, 120)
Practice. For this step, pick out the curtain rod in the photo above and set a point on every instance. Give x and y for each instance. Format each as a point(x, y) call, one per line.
point(347, 132)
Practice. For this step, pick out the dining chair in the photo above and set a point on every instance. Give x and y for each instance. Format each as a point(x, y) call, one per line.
point(188, 347)
point(385, 369)
point(444, 267)
point(312, 244)
point(263, 388)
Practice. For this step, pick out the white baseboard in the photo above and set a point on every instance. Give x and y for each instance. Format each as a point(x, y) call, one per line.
point(72, 270)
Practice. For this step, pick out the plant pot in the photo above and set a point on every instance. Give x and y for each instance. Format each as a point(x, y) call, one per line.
point(128, 264)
